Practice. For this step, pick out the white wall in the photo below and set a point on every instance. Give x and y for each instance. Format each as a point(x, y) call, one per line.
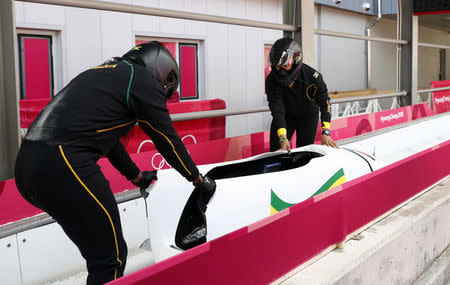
point(233, 56)
point(341, 61)
point(384, 55)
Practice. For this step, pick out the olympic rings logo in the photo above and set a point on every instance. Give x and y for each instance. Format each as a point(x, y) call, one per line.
point(158, 161)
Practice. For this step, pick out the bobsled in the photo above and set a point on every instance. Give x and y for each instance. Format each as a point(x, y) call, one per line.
point(248, 190)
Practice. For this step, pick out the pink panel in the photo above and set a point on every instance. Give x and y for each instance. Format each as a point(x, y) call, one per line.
point(419, 111)
point(2, 185)
point(192, 131)
point(267, 67)
point(13, 206)
point(37, 68)
point(441, 99)
point(29, 109)
point(174, 98)
point(188, 58)
point(171, 46)
point(390, 118)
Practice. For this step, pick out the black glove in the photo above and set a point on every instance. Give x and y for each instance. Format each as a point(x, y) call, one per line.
point(206, 189)
point(147, 179)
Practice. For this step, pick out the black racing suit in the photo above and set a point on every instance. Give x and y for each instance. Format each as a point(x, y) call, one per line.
point(56, 167)
point(296, 108)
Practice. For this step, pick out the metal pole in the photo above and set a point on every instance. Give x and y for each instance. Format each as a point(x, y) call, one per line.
point(442, 64)
point(432, 90)
point(221, 113)
point(398, 51)
point(359, 37)
point(368, 47)
point(9, 117)
point(433, 46)
point(287, 19)
point(368, 97)
point(407, 58)
point(414, 61)
point(216, 113)
point(306, 14)
point(142, 10)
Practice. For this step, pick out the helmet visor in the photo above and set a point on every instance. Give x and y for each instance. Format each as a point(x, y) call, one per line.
point(288, 57)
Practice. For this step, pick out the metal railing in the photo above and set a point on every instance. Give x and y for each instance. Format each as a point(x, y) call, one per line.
point(359, 37)
point(433, 46)
point(433, 89)
point(427, 99)
point(221, 113)
point(233, 112)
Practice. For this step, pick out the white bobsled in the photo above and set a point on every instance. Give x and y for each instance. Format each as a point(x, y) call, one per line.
point(251, 189)
point(248, 190)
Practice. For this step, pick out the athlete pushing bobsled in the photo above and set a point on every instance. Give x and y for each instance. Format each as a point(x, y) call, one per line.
point(56, 168)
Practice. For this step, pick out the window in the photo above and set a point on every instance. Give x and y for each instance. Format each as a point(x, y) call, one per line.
point(35, 66)
point(185, 53)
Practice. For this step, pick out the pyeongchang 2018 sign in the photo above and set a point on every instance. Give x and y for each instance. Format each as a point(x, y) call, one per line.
point(391, 117)
point(442, 103)
point(441, 99)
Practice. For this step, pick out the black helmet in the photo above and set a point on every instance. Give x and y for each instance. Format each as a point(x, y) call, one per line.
point(158, 60)
point(286, 51)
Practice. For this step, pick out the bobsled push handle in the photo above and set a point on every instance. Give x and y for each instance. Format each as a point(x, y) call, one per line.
point(145, 191)
point(152, 178)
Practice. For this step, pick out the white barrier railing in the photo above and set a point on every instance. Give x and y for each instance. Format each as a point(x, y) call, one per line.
point(373, 106)
point(359, 37)
point(428, 97)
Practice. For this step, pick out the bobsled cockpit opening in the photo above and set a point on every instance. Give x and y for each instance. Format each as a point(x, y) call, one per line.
point(274, 163)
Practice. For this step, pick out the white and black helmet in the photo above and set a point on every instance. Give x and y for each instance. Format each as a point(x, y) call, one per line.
point(284, 52)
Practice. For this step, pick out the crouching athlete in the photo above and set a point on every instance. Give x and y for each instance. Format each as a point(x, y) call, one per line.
point(56, 168)
point(295, 93)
